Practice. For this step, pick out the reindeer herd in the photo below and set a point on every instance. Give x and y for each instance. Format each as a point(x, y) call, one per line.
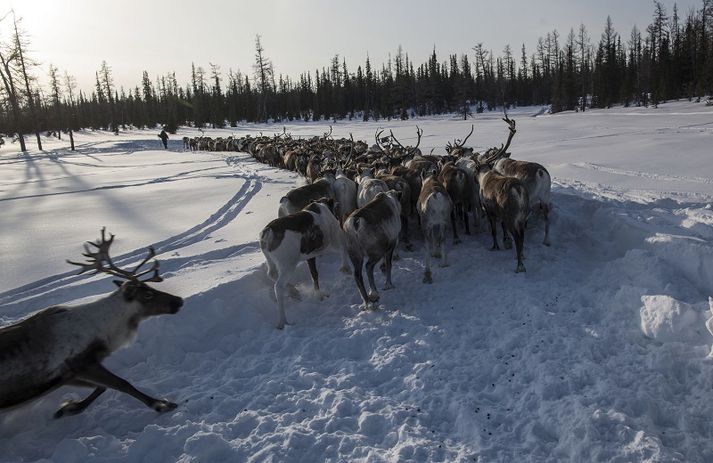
point(360, 201)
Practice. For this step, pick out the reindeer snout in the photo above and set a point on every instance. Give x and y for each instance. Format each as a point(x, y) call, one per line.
point(176, 304)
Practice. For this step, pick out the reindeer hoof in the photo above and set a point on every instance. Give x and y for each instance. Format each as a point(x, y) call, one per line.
point(457, 241)
point(520, 268)
point(495, 247)
point(547, 243)
point(373, 296)
point(427, 278)
point(444, 265)
point(163, 405)
point(68, 408)
point(408, 247)
point(507, 245)
point(345, 269)
point(322, 295)
point(388, 286)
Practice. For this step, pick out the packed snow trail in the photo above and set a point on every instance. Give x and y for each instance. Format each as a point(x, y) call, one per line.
point(598, 353)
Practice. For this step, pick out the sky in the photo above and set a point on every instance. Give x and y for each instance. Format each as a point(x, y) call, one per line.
point(161, 36)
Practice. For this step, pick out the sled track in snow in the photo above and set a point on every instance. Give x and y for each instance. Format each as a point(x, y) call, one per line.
point(44, 290)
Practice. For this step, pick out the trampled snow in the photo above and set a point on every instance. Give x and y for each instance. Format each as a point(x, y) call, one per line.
point(600, 352)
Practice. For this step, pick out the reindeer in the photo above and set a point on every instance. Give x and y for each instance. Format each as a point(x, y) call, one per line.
point(304, 235)
point(345, 189)
point(298, 198)
point(457, 149)
point(368, 187)
point(372, 231)
point(504, 199)
point(435, 210)
point(534, 176)
point(65, 345)
point(460, 189)
point(394, 182)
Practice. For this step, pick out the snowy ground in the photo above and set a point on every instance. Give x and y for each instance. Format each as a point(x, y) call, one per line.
point(600, 352)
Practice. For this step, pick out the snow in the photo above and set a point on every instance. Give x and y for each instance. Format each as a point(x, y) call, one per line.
point(599, 352)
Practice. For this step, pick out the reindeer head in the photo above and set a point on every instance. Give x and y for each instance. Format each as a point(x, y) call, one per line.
point(133, 288)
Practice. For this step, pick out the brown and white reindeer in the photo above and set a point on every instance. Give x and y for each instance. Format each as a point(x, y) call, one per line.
point(304, 235)
point(65, 345)
point(368, 187)
point(300, 197)
point(460, 188)
point(372, 231)
point(434, 209)
point(504, 199)
point(534, 176)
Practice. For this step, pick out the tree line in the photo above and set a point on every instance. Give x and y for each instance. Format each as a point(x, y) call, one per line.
point(672, 58)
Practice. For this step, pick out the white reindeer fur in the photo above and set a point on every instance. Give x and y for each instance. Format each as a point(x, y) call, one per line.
point(282, 261)
point(435, 213)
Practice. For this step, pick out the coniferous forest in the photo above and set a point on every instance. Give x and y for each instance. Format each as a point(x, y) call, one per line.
point(671, 58)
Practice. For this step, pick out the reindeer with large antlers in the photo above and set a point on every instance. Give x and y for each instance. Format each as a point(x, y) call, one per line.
point(65, 345)
point(457, 148)
point(533, 176)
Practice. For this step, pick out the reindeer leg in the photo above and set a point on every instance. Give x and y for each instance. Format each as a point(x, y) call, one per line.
point(97, 374)
point(494, 231)
point(388, 259)
point(280, 288)
point(404, 233)
point(519, 242)
point(546, 213)
point(456, 240)
point(465, 220)
point(72, 407)
point(358, 264)
point(312, 264)
point(444, 255)
point(373, 292)
point(427, 276)
point(507, 240)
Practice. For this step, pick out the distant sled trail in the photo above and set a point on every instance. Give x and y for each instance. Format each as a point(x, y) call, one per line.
point(46, 288)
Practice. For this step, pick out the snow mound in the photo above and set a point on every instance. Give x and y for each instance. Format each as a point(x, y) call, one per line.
point(665, 319)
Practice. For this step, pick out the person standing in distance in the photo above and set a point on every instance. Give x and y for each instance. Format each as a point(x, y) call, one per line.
point(164, 138)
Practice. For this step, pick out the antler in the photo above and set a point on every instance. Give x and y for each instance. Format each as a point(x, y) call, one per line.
point(328, 134)
point(393, 137)
point(419, 133)
point(498, 152)
point(377, 138)
point(351, 152)
point(100, 261)
point(460, 145)
point(511, 126)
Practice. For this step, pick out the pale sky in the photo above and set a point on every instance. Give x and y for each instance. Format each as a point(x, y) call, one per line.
point(167, 35)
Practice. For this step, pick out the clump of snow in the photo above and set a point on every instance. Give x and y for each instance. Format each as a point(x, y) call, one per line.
point(665, 319)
